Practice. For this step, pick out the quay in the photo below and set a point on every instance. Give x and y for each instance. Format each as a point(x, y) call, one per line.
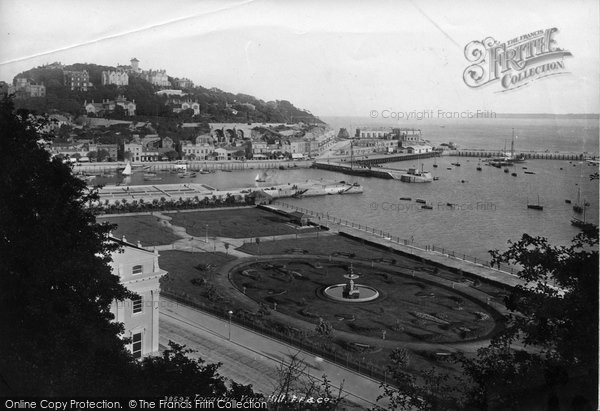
point(155, 166)
point(112, 194)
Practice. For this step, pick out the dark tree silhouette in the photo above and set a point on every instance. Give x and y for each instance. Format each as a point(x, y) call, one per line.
point(55, 284)
point(56, 288)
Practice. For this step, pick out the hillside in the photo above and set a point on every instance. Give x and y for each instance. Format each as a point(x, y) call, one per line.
point(215, 105)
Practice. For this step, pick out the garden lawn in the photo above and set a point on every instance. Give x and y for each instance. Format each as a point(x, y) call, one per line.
point(144, 228)
point(237, 223)
point(184, 267)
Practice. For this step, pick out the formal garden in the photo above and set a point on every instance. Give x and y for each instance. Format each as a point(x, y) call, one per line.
point(426, 311)
point(409, 308)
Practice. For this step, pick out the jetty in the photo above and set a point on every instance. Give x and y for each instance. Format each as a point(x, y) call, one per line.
point(113, 194)
point(528, 155)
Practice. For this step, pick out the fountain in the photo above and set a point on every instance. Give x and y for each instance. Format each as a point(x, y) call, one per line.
point(351, 292)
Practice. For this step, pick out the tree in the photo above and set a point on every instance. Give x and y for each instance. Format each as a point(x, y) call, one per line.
point(172, 155)
point(92, 155)
point(64, 132)
point(550, 342)
point(103, 155)
point(294, 379)
point(433, 390)
point(548, 348)
point(324, 329)
point(57, 287)
point(118, 113)
point(186, 377)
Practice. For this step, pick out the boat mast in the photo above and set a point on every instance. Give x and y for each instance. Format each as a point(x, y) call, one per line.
point(512, 144)
point(351, 153)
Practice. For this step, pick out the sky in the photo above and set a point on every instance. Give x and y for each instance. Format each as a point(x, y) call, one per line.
point(334, 58)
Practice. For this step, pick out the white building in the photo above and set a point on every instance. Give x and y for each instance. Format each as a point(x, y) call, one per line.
point(197, 151)
point(418, 149)
point(374, 133)
point(157, 78)
point(139, 272)
point(117, 77)
point(135, 149)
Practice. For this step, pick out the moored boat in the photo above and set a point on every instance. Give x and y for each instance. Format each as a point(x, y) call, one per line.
point(127, 170)
point(261, 177)
point(413, 175)
point(537, 206)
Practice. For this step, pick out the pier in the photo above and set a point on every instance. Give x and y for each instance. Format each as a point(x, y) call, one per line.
point(528, 155)
point(370, 166)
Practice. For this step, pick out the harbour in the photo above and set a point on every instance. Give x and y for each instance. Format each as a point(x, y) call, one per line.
point(488, 207)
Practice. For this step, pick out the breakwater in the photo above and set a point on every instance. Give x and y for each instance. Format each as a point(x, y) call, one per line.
point(354, 170)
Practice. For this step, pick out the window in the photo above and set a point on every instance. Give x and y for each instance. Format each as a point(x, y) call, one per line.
point(137, 304)
point(137, 269)
point(136, 345)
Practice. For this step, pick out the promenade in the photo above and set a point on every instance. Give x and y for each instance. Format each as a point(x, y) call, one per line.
point(251, 358)
point(433, 255)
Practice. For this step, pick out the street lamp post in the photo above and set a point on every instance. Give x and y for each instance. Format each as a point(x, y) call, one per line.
point(230, 314)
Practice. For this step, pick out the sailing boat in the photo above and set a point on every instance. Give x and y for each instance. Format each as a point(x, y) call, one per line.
point(578, 207)
point(508, 158)
point(127, 170)
point(435, 162)
point(261, 177)
point(581, 223)
point(537, 206)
